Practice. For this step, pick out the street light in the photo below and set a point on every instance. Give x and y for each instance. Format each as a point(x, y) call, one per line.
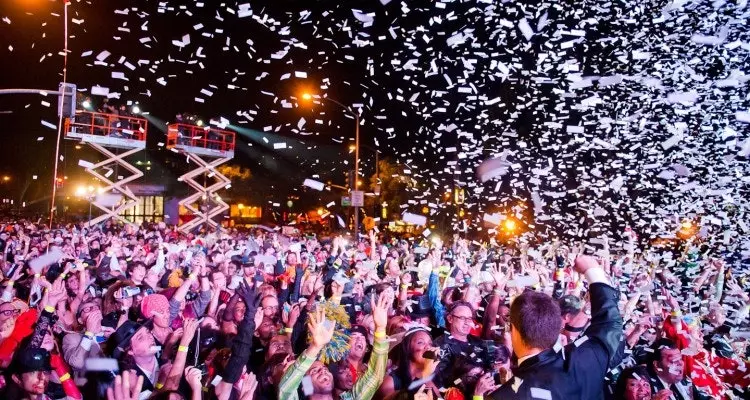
point(136, 109)
point(88, 193)
point(349, 110)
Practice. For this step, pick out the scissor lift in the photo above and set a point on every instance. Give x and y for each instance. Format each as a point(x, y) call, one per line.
point(208, 148)
point(105, 132)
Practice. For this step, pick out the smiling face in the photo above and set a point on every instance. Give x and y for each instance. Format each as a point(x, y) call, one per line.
point(420, 342)
point(322, 379)
point(637, 389)
point(671, 367)
point(462, 321)
point(357, 345)
point(344, 377)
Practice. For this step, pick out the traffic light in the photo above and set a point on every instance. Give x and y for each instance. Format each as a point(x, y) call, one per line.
point(66, 100)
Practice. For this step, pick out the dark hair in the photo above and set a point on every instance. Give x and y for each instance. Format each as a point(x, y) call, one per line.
point(405, 349)
point(657, 347)
point(133, 265)
point(570, 304)
point(460, 303)
point(265, 380)
point(635, 372)
point(536, 317)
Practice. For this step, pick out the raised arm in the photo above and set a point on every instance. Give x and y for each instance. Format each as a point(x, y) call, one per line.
point(605, 332)
point(321, 335)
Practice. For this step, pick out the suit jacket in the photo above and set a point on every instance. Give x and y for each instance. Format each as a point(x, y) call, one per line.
point(576, 371)
point(682, 390)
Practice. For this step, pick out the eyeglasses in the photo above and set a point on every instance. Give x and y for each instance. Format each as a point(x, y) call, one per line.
point(10, 313)
point(89, 308)
point(462, 319)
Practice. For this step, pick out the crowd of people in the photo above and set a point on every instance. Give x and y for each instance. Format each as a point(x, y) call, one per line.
point(132, 312)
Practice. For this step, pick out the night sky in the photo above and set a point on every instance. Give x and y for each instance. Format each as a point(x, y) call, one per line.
point(604, 116)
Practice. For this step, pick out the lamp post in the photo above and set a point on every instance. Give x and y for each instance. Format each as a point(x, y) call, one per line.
point(88, 193)
point(349, 110)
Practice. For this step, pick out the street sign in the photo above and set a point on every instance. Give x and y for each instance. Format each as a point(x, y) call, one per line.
point(346, 201)
point(358, 198)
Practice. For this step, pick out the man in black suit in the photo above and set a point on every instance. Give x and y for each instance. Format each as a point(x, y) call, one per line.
point(666, 370)
point(547, 371)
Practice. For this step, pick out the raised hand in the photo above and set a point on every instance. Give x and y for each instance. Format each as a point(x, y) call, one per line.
point(499, 276)
point(319, 329)
point(290, 317)
point(485, 385)
point(190, 327)
point(585, 263)
point(424, 393)
point(127, 386)
point(56, 293)
point(249, 385)
point(193, 377)
point(257, 317)
point(380, 311)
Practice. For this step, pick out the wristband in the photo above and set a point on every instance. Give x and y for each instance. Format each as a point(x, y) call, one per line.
point(379, 334)
point(65, 377)
point(49, 309)
point(404, 286)
point(475, 397)
point(158, 385)
point(63, 276)
point(336, 299)
point(37, 275)
point(11, 283)
point(497, 292)
point(192, 276)
point(288, 330)
point(182, 349)
point(89, 334)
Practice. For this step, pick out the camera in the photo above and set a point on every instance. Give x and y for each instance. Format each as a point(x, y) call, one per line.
point(130, 291)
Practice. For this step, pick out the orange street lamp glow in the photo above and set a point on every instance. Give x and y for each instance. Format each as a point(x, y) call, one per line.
point(306, 96)
point(509, 225)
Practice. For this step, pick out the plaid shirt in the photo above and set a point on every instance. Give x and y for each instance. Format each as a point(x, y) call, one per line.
point(365, 387)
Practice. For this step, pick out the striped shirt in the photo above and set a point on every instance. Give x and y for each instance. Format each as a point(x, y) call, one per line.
point(365, 387)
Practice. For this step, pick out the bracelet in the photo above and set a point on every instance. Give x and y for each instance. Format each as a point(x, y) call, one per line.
point(182, 349)
point(404, 286)
point(49, 309)
point(158, 385)
point(63, 276)
point(288, 330)
point(379, 334)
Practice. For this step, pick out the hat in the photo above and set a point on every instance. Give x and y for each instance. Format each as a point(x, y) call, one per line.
point(154, 303)
point(119, 341)
point(30, 360)
point(358, 329)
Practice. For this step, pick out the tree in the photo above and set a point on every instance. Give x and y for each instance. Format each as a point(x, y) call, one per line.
point(395, 186)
